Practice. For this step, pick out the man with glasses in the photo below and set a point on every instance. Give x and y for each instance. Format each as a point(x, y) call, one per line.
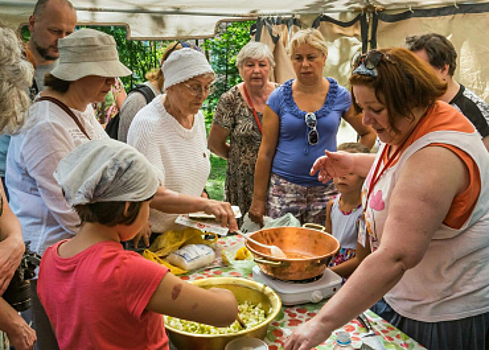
point(170, 132)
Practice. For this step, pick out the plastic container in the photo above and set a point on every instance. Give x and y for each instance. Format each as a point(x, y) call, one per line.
point(246, 343)
point(343, 341)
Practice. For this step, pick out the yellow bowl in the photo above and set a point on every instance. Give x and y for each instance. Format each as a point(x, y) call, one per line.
point(244, 290)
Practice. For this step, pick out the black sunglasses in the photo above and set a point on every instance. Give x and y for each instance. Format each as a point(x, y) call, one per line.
point(312, 135)
point(183, 44)
point(366, 64)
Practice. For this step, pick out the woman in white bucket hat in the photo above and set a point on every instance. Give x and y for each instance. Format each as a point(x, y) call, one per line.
point(60, 119)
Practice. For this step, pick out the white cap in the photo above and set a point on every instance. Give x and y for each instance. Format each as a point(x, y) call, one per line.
point(183, 65)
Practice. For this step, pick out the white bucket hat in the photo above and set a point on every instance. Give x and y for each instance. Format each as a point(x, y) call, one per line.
point(183, 65)
point(88, 52)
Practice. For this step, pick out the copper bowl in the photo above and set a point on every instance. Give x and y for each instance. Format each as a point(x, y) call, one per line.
point(308, 252)
point(244, 290)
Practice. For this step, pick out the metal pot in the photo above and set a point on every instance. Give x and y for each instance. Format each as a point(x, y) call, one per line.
point(243, 290)
point(308, 252)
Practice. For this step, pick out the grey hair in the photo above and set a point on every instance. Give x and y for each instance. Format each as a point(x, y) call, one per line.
point(309, 36)
point(256, 51)
point(16, 74)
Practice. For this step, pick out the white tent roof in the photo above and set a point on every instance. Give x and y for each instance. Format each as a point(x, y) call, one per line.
point(169, 19)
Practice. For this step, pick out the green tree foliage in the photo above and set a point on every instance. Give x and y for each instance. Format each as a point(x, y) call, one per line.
point(223, 49)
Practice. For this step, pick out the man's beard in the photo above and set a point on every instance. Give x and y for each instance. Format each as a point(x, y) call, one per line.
point(43, 52)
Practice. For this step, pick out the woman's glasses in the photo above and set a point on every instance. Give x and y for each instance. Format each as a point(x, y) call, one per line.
point(366, 64)
point(183, 44)
point(198, 90)
point(312, 135)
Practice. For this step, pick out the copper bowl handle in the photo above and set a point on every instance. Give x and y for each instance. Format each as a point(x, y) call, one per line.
point(315, 227)
point(272, 262)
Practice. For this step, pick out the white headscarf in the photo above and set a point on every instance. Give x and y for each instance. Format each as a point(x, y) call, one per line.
point(105, 170)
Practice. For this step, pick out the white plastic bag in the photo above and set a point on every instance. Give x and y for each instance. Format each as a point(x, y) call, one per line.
point(192, 256)
point(249, 226)
point(288, 220)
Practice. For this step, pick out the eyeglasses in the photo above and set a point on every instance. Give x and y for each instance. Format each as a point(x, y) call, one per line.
point(366, 64)
point(183, 44)
point(312, 135)
point(197, 90)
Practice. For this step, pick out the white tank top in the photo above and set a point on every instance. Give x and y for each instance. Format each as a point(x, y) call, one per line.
point(452, 280)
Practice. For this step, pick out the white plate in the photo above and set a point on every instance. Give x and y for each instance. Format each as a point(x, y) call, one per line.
point(204, 215)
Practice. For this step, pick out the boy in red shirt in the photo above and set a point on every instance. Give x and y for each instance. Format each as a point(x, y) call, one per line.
point(98, 296)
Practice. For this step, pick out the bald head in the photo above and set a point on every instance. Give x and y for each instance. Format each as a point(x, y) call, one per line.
point(51, 20)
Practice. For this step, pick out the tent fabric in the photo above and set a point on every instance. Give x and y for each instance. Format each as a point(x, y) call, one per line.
point(170, 19)
point(464, 28)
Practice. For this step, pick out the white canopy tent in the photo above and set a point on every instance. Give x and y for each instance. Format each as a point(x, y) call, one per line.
point(348, 25)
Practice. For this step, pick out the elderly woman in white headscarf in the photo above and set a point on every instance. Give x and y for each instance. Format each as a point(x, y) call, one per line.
point(170, 132)
point(15, 78)
point(60, 120)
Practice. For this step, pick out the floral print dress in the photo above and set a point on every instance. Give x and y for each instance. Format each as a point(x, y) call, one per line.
point(234, 114)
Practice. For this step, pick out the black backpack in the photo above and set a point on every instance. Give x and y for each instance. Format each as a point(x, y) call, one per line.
point(112, 127)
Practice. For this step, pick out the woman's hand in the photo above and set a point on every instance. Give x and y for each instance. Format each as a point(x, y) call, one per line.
point(223, 212)
point(11, 251)
point(333, 164)
point(257, 211)
point(307, 336)
point(23, 338)
point(145, 233)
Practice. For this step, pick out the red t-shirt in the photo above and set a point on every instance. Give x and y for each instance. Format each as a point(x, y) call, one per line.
point(97, 298)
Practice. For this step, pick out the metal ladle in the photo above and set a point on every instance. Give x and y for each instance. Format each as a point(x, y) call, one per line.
point(276, 251)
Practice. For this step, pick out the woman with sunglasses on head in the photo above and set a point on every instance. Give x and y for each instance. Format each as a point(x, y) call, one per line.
point(171, 133)
point(238, 116)
point(300, 121)
point(153, 87)
point(426, 200)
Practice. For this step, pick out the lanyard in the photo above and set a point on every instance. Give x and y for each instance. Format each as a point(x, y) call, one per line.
point(375, 177)
point(248, 98)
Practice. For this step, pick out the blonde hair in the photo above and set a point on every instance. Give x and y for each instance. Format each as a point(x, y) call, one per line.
point(16, 74)
point(309, 36)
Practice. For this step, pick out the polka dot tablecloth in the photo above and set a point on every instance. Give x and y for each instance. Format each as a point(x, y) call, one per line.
point(292, 316)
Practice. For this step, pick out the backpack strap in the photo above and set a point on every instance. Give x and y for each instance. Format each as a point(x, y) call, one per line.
point(146, 91)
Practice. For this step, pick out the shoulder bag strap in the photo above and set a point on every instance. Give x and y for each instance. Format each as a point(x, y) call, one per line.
point(67, 110)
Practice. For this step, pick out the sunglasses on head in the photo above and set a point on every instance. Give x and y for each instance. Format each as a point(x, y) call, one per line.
point(312, 135)
point(183, 44)
point(366, 64)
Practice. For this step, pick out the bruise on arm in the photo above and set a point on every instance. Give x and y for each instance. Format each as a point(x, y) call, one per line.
point(175, 293)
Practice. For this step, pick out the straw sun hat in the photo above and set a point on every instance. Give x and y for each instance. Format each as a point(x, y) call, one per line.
point(88, 52)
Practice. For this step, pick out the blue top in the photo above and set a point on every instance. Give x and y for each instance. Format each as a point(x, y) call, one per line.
point(294, 155)
point(4, 142)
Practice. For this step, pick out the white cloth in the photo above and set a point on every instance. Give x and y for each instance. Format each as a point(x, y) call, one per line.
point(180, 156)
point(105, 170)
point(451, 281)
point(33, 155)
point(345, 225)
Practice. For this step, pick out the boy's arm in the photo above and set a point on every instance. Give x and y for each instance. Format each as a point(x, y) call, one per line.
point(174, 297)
